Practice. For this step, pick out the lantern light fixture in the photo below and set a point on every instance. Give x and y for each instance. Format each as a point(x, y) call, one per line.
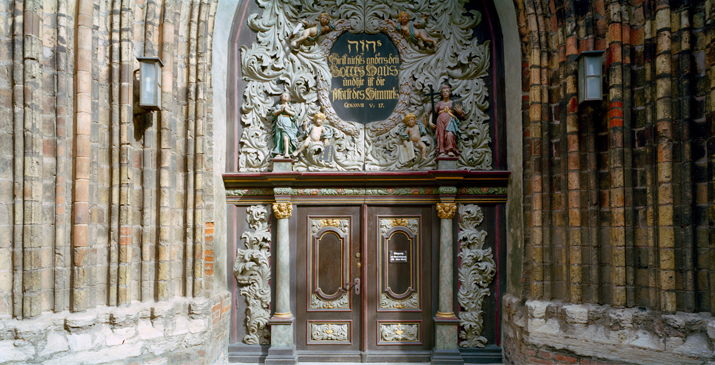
point(150, 83)
point(589, 76)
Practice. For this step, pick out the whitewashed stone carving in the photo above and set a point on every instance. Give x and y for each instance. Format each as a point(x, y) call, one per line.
point(476, 272)
point(253, 273)
point(413, 302)
point(329, 332)
point(400, 332)
point(341, 303)
point(271, 67)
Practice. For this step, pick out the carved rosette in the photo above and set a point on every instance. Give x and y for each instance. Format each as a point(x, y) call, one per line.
point(446, 210)
point(252, 271)
point(476, 272)
point(282, 210)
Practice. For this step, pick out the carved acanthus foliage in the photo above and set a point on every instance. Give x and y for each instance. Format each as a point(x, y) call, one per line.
point(341, 303)
point(413, 302)
point(412, 224)
point(271, 66)
point(343, 225)
point(446, 210)
point(253, 273)
point(400, 332)
point(282, 210)
point(476, 272)
point(329, 332)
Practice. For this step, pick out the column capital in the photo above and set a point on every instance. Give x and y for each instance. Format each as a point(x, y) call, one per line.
point(282, 210)
point(444, 210)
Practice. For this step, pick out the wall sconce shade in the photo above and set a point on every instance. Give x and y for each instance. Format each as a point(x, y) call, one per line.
point(589, 76)
point(150, 82)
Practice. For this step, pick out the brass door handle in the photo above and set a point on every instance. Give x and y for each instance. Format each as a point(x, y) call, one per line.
point(355, 285)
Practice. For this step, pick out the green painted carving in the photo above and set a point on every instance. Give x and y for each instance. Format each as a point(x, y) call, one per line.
point(282, 191)
point(249, 192)
point(447, 190)
point(482, 191)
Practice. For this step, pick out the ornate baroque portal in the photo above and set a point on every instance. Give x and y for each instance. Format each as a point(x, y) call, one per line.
point(372, 129)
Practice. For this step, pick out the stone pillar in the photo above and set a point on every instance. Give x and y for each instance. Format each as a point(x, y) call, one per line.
point(446, 348)
point(282, 350)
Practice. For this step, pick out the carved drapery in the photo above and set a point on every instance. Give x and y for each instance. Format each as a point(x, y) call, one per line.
point(476, 272)
point(252, 271)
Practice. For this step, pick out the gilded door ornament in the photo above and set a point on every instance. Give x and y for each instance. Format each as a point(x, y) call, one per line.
point(446, 210)
point(476, 272)
point(342, 302)
point(282, 210)
point(304, 74)
point(399, 332)
point(343, 225)
point(412, 302)
point(333, 332)
point(412, 224)
point(252, 271)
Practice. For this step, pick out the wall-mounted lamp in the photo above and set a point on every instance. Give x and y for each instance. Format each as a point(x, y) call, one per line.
point(589, 76)
point(150, 83)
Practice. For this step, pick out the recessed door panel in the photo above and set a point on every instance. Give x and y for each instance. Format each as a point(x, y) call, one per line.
point(399, 245)
point(328, 308)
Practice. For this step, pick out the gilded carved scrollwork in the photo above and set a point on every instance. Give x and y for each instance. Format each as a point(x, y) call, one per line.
point(476, 272)
point(252, 271)
point(282, 210)
point(446, 210)
point(270, 66)
point(400, 332)
point(413, 302)
point(341, 303)
point(412, 224)
point(336, 332)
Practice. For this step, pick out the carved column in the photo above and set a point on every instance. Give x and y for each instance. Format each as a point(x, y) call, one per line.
point(446, 348)
point(282, 349)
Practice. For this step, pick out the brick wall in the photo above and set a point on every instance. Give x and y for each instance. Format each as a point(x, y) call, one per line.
point(619, 193)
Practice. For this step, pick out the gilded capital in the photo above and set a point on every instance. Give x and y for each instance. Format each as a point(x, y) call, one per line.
point(444, 210)
point(282, 210)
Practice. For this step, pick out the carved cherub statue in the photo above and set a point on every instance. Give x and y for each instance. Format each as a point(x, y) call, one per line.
point(412, 31)
point(317, 134)
point(411, 133)
point(285, 131)
point(313, 30)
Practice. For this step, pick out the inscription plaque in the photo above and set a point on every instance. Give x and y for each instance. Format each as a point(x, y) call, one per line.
point(365, 83)
point(398, 257)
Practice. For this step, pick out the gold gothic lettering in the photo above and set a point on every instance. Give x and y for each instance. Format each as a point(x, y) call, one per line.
point(363, 78)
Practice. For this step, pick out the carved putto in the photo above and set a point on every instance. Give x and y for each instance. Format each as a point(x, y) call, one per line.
point(317, 136)
point(411, 134)
point(270, 65)
point(313, 31)
point(413, 31)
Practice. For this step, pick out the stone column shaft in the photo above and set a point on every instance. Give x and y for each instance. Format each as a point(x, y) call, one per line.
point(283, 270)
point(446, 261)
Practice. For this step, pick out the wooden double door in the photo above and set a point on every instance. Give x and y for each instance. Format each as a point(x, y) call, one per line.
point(364, 283)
